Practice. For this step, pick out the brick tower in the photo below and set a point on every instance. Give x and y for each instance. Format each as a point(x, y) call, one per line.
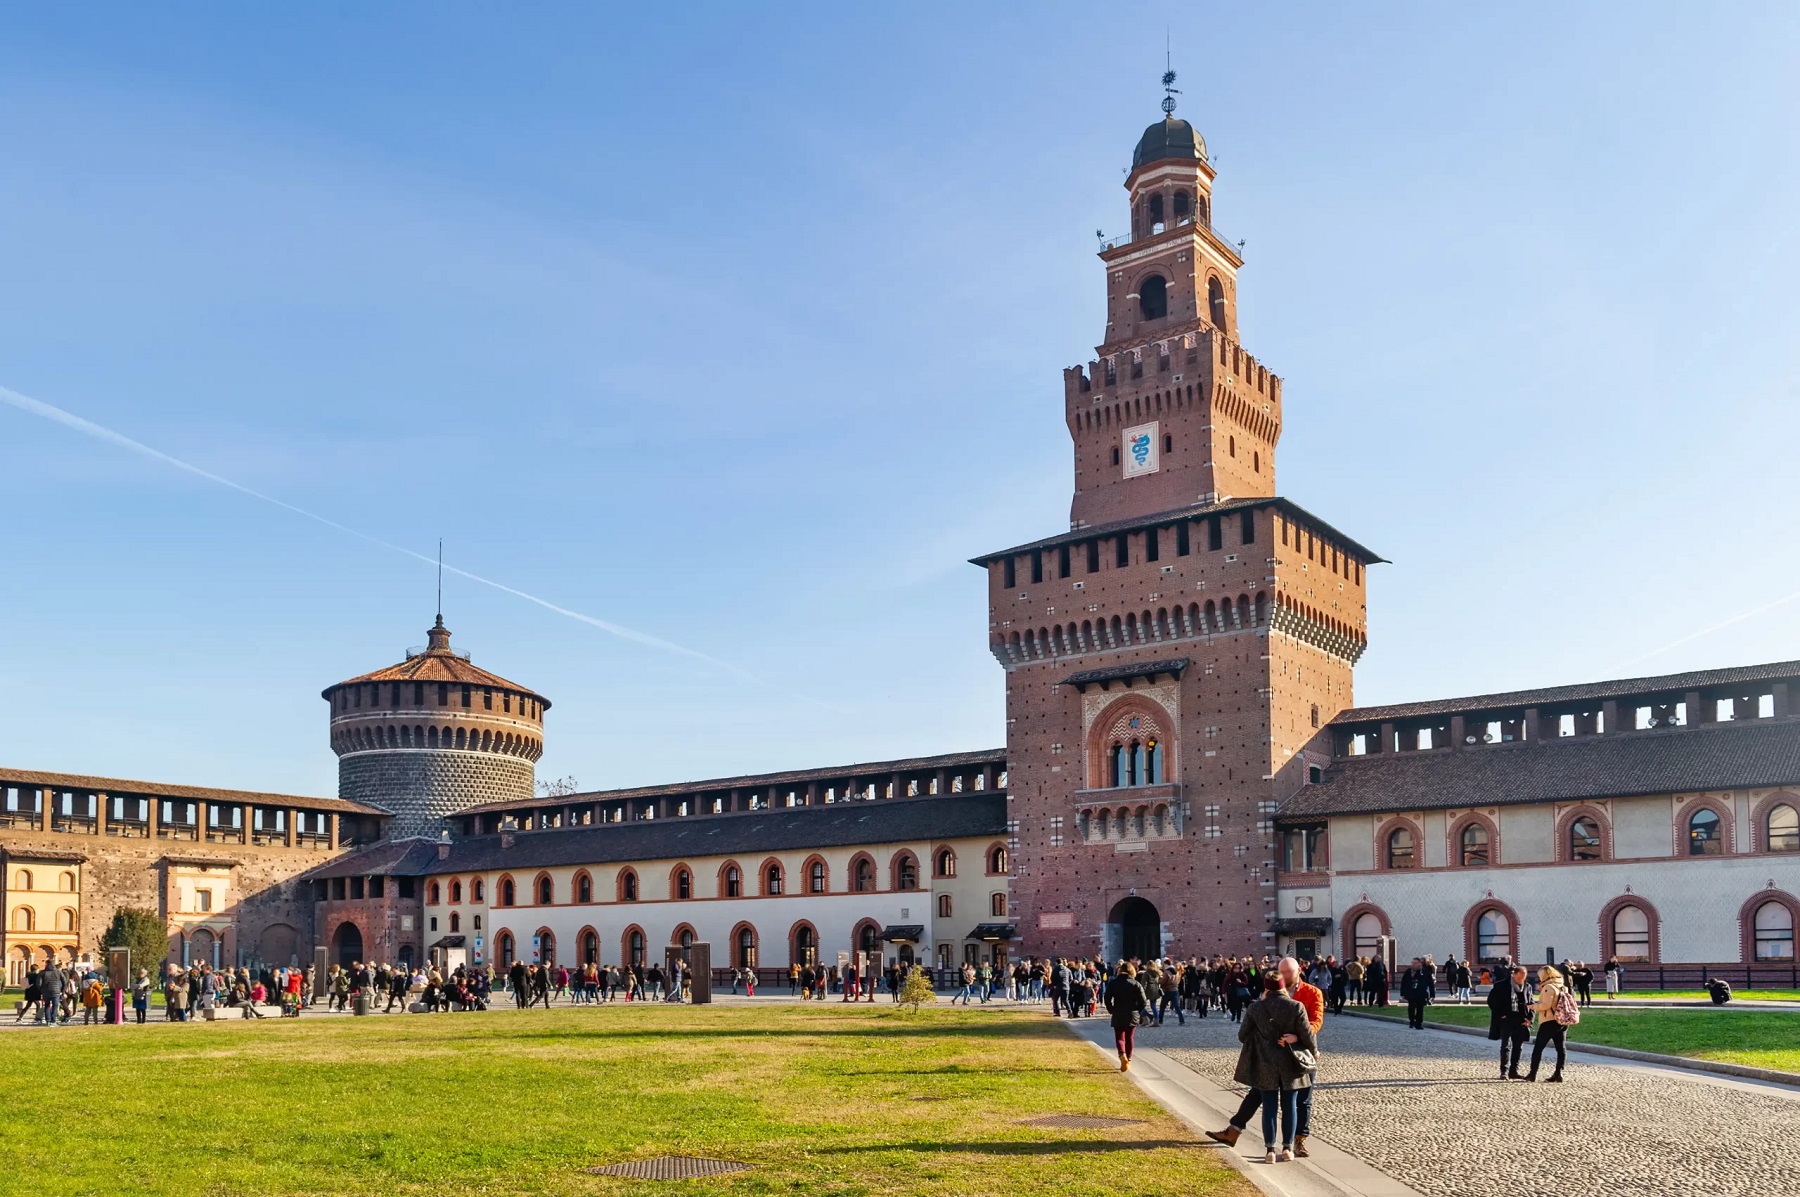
point(1168, 658)
point(433, 735)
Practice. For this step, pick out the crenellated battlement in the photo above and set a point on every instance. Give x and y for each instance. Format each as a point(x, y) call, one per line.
point(1189, 352)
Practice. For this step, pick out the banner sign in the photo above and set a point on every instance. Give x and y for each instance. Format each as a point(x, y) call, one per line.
point(1140, 453)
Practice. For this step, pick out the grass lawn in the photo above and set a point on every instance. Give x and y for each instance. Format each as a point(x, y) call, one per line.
point(1700, 995)
point(1758, 1038)
point(819, 1100)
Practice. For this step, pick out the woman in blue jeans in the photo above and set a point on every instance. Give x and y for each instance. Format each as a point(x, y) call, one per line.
point(1274, 1027)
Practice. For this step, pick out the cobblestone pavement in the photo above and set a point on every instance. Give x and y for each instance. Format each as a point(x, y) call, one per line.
point(1429, 1109)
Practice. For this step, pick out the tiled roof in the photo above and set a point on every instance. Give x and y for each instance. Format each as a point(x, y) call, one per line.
point(751, 781)
point(1197, 511)
point(389, 858)
point(439, 663)
point(1670, 761)
point(750, 835)
point(1668, 683)
point(157, 789)
point(1088, 677)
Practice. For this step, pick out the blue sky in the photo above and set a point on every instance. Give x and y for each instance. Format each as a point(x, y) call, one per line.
point(744, 330)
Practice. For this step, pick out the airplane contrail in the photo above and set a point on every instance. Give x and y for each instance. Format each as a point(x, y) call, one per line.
point(1740, 617)
point(68, 419)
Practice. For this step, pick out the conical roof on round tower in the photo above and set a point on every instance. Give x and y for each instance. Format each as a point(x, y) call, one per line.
point(438, 662)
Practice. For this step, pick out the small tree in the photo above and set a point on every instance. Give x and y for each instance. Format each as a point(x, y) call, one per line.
point(916, 989)
point(145, 933)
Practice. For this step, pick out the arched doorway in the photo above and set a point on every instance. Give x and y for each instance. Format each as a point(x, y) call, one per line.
point(349, 945)
point(1136, 928)
point(201, 945)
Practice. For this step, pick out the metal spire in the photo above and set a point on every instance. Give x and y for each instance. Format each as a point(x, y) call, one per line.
point(1169, 92)
point(440, 590)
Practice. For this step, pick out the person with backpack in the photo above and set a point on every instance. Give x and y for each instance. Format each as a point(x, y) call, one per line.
point(1556, 1013)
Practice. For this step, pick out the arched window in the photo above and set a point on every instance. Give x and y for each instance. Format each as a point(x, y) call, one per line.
point(1705, 836)
point(546, 891)
point(433, 894)
point(477, 890)
point(1631, 934)
point(67, 883)
point(944, 906)
point(815, 878)
point(65, 919)
point(455, 921)
point(806, 944)
point(1401, 852)
point(1783, 829)
point(628, 886)
point(1366, 936)
point(734, 882)
point(503, 947)
point(866, 940)
point(456, 891)
point(1215, 303)
point(746, 947)
point(862, 876)
point(906, 872)
point(21, 878)
point(772, 879)
point(22, 919)
point(1773, 930)
point(1475, 846)
point(546, 946)
point(684, 884)
point(997, 906)
point(634, 946)
point(584, 887)
point(997, 860)
point(1493, 935)
point(507, 893)
point(946, 863)
point(590, 948)
point(1153, 297)
point(1115, 765)
point(1584, 839)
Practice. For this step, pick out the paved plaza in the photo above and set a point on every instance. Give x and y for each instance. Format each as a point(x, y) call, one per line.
point(1427, 1108)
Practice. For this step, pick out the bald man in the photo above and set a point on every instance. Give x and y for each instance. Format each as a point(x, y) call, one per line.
point(1309, 996)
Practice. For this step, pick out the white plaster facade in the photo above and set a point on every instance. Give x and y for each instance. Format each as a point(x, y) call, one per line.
point(947, 908)
point(1698, 905)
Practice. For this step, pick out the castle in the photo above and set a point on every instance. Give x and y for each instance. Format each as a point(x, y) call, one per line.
point(1185, 770)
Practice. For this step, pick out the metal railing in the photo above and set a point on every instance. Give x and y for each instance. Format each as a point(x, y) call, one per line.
point(1156, 230)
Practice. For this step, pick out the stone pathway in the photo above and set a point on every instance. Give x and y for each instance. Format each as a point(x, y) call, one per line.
point(1429, 1109)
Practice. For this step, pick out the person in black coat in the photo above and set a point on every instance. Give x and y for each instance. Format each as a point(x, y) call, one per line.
point(1416, 988)
point(1125, 1003)
point(1375, 982)
point(1509, 1019)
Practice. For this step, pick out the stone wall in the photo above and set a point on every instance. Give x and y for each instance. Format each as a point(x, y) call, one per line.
point(423, 787)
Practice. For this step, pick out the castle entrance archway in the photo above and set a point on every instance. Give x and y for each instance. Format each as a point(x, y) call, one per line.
point(1136, 927)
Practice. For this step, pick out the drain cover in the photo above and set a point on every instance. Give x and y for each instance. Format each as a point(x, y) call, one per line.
point(1081, 1121)
point(669, 1167)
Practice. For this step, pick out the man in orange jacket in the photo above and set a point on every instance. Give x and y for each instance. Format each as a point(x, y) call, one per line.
point(1309, 996)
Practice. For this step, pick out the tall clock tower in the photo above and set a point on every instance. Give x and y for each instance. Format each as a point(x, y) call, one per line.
point(1169, 656)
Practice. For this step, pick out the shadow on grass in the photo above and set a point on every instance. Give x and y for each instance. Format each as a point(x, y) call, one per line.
point(1052, 1147)
point(882, 1031)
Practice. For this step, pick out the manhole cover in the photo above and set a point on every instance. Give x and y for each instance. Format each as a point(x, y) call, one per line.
point(669, 1167)
point(1081, 1121)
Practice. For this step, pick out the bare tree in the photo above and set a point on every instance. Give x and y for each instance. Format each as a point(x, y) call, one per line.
point(562, 787)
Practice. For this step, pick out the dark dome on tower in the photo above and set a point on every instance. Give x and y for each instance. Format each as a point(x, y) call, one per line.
point(1168, 138)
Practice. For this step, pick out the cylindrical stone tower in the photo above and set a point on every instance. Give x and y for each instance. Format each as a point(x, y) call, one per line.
point(434, 735)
